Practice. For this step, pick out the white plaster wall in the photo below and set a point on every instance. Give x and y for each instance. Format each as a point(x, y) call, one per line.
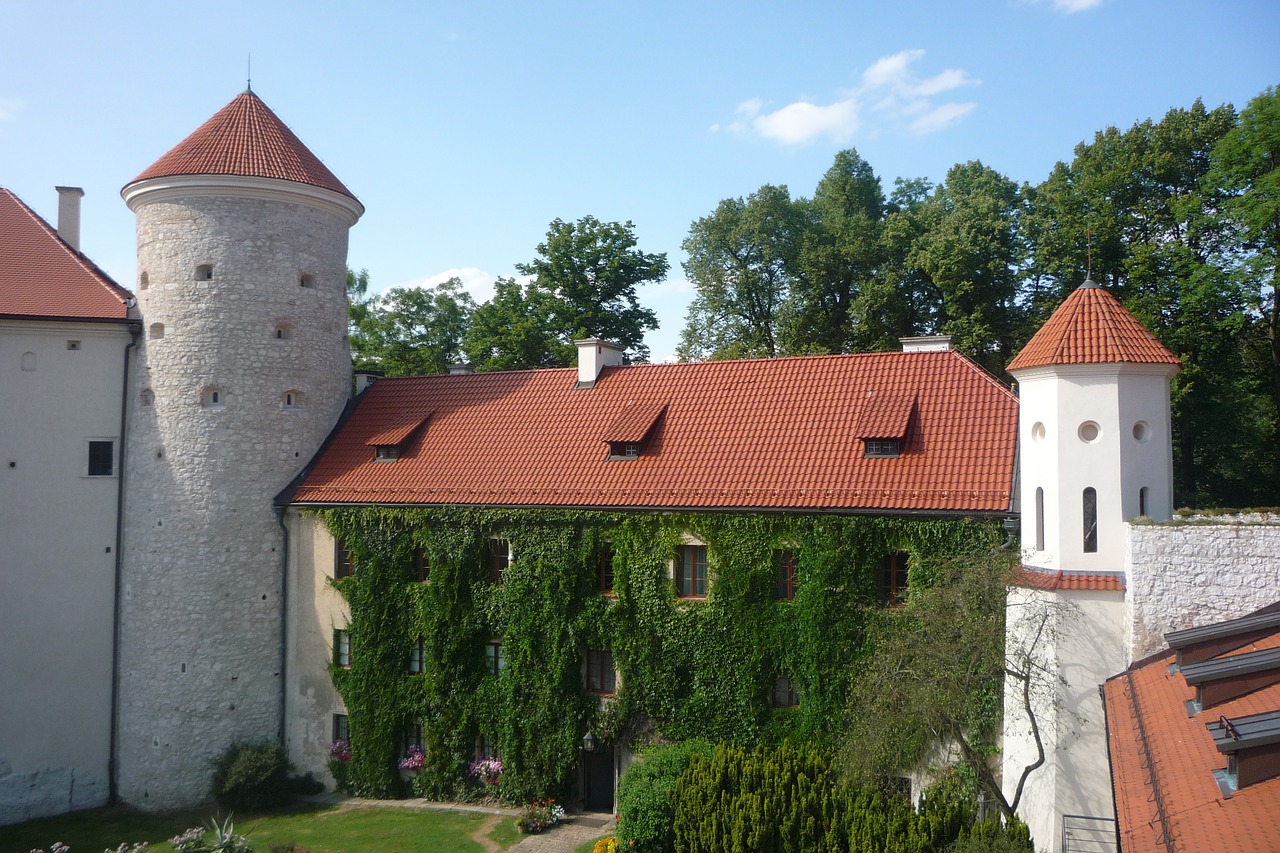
point(202, 622)
point(57, 562)
point(1082, 648)
point(315, 610)
point(1183, 575)
point(1116, 464)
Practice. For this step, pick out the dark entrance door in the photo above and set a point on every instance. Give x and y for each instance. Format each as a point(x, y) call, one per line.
point(597, 781)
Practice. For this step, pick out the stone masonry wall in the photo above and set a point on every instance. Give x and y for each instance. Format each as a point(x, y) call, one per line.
point(201, 626)
point(1197, 571)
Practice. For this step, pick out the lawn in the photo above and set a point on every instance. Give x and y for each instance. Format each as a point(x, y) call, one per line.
point(317, 828)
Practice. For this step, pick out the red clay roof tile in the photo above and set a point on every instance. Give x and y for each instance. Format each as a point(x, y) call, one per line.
point(1033, 578)
point(635, 422)
point(1161, 755)
point(1092, 327)
point(766, 433)
point(247, 139)
point(885, 415)
point(41, 276)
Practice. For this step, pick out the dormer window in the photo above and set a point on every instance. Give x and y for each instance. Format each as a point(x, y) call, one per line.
point(628, 435)
point(882, 424)
point(392, 442)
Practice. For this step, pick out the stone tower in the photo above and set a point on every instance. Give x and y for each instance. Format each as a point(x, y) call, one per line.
point(244, 369)
point(1094, 451)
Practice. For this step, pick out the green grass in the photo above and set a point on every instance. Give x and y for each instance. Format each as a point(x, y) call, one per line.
point(317, 828)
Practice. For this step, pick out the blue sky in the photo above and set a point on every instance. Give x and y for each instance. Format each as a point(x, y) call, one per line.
point(465, 128)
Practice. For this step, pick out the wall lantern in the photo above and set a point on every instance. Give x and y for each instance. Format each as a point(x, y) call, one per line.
point(589, 742)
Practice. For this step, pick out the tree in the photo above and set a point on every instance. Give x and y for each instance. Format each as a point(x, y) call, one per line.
point(935, 674)
point(1246, 165)
point(411, 331)
point(512, 331)
point(584, 281)
point(740, 261)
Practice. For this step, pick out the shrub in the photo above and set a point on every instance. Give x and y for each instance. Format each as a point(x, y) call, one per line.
point(646, 806)
point(606, 845)
point(538, 816)
point(213, 838)
point(251, 778)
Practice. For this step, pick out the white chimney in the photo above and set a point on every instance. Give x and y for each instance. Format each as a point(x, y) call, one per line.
point(457, 368)
point(69, 215)
point(929, 343)
point(593, 356)
point(365, 378)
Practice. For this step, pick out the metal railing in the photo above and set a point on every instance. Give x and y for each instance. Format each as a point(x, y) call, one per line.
point(1085, 834)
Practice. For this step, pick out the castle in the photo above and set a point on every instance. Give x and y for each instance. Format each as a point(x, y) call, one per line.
point(169, 586)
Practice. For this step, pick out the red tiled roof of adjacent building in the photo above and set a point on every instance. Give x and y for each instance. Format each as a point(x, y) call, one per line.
point(1162, 764)
point(1033, 578)
point(1092, 327)
point(766, 433)
point(43, 277)
point(247, 139)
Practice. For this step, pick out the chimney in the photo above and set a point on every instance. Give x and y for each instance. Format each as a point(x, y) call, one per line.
point(593, 356)
point(365, 378)
point(928, 343)
point(69, 215)
point(456, 368)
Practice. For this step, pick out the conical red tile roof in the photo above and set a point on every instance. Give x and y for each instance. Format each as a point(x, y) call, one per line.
point(1092, 327)
point(245, 138)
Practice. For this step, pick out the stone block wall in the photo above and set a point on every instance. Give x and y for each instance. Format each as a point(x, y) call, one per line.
point(1198, 570)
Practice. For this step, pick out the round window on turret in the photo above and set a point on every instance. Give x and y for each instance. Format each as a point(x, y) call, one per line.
point(1037, 431)
point(1089, 432)
point(1142, 431)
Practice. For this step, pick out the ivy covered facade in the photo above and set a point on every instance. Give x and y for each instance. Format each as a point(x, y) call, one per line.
point(453, 651)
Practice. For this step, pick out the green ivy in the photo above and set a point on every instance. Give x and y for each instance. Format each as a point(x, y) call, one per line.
point(699, 668)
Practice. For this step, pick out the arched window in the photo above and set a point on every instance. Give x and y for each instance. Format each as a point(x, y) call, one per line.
point(144, 281)
point(28, 361)
point(292, 399)
point(157, 330)
point(213, 397)
point(283, 331)
point(307, 280)
point(1039, 519)
point(147, 397)
point(204, 272)
point(1090, 520)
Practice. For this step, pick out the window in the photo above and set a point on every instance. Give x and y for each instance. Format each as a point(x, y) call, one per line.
point(784, 693)
point(342, 565)
point(1039, 519)
point(604, 568)
point(499, 558)
point(691, 571)
point(341, 728)
point(73, 345)
point(786, 562)
point(282, 332)
point(416, 656)
point(306, 280)
point(886, 448)
point(601, 678)
point(144, 281)
point(1142, 500)
point(386, 452)
point(1090, 520)
point(204, 272)
point(293, 399)
point(891, 579)
point(101, 458)
point(157, 331)
point(28, 361)
point(342, 648)
point(421, 565)
point(495, 660)
point(213, 397)
point(487, 750)
point(412, 737)
point(147, 397)
point(624, 450)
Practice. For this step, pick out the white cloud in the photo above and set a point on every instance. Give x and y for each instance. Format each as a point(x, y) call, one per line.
point(802, 122)
point(1070, 7)
point(475, 281)
point(890, 88)
point(9, 108)
point(940, 118)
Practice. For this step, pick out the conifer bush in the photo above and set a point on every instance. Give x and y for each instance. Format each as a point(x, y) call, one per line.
point(646, 806)
point(251, 778)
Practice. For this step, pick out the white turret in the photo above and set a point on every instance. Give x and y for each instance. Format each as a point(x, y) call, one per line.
point(242, 246)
